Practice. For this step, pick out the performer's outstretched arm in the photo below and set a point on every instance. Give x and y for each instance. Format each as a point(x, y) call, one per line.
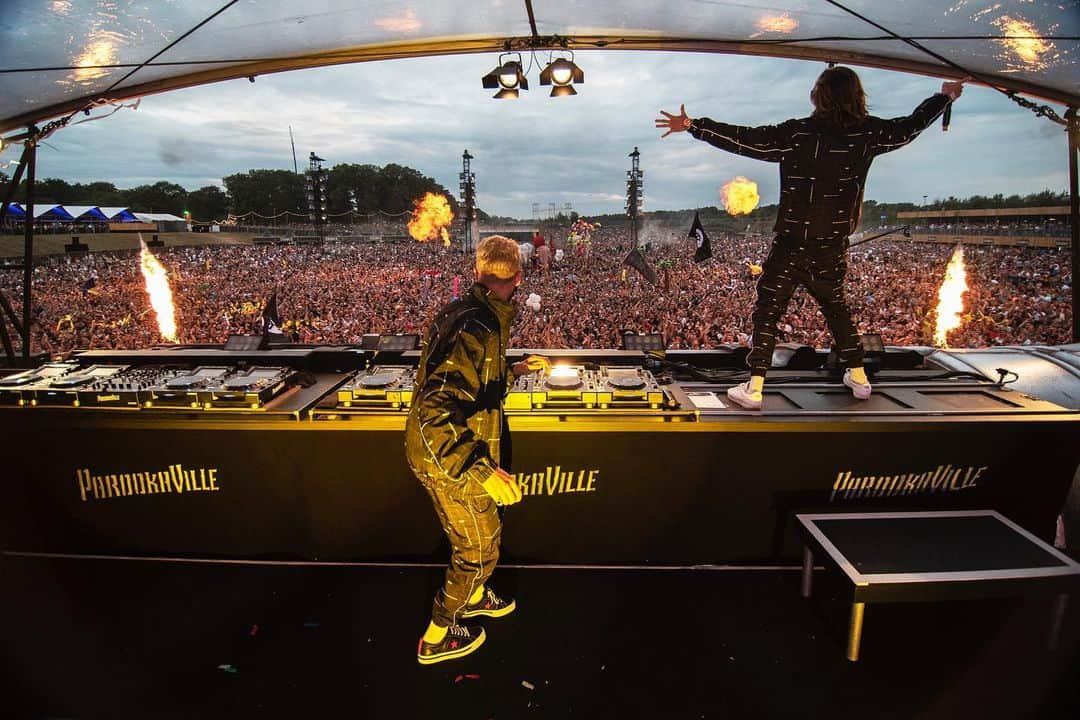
point(898, 132)
point(765, 142)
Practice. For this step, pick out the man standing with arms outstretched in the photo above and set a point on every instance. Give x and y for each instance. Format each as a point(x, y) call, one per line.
point(452, 443)
point(824, 160)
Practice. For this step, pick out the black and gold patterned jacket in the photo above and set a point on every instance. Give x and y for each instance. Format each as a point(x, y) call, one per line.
point(455, 423)
point(822, 170)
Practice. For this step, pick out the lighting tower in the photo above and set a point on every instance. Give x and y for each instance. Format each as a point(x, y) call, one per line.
point(468, 197)
point(316, 192)
point(634, 194)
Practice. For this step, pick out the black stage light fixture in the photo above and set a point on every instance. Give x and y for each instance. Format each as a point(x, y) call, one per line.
point(562, 73)
point(246, 343)
point(508, 76)
point(642, 341)
point(398, 342)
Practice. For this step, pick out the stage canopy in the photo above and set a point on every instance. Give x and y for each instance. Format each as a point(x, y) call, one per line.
point(57, 57)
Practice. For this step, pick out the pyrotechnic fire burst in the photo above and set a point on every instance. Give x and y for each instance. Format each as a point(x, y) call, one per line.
point(739, 196)
point(430, 217)
point(950, 300)
point(157, 287)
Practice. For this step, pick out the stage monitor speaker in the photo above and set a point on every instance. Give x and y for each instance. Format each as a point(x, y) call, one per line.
point(75, 246)
point(642, 341)
point(246, 343)
point(873, 353)
point(397, 343)
point(792, 356)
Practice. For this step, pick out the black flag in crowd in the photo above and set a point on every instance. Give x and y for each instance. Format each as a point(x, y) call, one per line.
point(271, 319)
point(636, 260)
point(704, 247)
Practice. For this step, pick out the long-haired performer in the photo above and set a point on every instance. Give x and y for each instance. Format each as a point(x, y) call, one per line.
point(452, 443)
point(824, 160)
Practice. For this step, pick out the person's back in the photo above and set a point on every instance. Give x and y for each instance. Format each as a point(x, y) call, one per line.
point(824, 161)
point(824, 158)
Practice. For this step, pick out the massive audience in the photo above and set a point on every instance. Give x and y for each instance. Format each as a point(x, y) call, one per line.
point(336, 292)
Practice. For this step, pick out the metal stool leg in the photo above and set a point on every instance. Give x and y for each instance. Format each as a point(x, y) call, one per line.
point(1058, 617)
point(855, 631)
point(807, 571)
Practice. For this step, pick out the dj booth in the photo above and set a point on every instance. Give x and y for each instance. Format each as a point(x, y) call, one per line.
point(624, 459)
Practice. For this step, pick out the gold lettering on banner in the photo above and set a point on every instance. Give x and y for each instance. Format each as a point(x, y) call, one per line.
point(942, 479)
point(555, 481)
point(172, 480)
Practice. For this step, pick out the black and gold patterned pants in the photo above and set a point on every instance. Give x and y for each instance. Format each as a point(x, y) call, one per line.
point(821, 267)
point(471, 521)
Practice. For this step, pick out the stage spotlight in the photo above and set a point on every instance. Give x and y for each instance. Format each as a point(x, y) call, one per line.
point(508, 77)
point(562, 73)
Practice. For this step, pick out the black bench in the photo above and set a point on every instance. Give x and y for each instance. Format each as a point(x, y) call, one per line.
point(920, 556)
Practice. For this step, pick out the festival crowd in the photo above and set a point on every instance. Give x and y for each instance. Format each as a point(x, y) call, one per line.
point(335, 292)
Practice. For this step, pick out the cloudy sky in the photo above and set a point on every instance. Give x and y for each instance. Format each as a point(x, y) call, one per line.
point(424, 112)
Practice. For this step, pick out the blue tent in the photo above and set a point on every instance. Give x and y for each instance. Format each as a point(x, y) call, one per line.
point(15, 210)
point(118, 214)
point(86, 213)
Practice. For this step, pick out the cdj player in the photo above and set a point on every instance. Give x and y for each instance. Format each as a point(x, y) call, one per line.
point(381, 386)
point(574, 386)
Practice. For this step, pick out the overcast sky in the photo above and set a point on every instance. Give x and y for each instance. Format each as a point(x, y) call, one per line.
point(424, 112)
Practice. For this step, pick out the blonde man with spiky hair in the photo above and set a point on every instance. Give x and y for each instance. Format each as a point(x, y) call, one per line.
point(452, 443)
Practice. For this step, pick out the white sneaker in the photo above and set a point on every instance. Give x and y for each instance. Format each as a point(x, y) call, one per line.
point(861, 391)
point(742, 396)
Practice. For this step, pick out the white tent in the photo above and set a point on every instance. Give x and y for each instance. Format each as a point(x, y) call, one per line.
point(157, 217)
point(112, 212)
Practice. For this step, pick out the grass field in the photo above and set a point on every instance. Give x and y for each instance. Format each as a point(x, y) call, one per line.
point(12, 245)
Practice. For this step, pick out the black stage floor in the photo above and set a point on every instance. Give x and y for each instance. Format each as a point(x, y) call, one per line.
point(135, 639)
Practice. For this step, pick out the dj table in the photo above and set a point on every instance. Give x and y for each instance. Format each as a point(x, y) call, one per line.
point(921, 556)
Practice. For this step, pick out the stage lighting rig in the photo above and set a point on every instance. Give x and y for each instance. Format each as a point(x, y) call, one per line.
point(562, 73)
point(316, 192)
point(508, 76)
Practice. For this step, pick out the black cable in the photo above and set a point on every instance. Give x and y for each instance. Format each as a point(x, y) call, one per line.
point(881, 234)
point(171, 45)
point(1043, 111)
point(63, 121)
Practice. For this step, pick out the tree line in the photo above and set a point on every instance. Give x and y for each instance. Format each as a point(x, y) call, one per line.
point(366, 189)
point(360, 189)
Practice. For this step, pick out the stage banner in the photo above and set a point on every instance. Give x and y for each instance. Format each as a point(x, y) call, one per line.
point(659, 493)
